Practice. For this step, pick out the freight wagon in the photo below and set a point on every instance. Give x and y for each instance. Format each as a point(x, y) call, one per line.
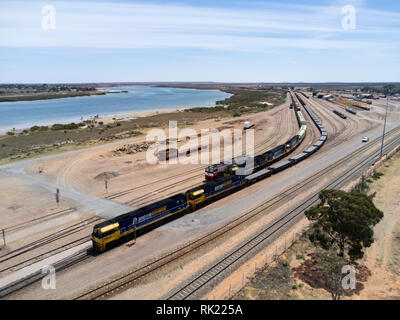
point(259, 175)
point(339, 114)
point(302, 133)
point(301, 118)
point(299, 157)
point(351, 111)
point(280, 166)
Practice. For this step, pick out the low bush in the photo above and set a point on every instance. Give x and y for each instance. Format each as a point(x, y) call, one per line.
point(69, 126)
point(41, 128)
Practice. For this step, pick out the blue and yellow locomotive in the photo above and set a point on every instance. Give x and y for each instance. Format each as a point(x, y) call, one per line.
point(123, 227)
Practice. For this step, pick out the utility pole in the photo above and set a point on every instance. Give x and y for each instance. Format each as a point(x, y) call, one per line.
point(134, 228)
point(384, 125)
point(58, 197)
point(134, 222)
point(106, 185)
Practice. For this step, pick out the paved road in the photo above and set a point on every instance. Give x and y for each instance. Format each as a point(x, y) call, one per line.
point(85, 202)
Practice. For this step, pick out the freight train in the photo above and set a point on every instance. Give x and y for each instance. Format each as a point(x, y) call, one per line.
point(339, 114)
point(215, 171)
point(122, 228)
point(351, 111)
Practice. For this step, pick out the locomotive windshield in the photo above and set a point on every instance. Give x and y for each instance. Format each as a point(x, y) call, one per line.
point(96, 233)
point(100, 235)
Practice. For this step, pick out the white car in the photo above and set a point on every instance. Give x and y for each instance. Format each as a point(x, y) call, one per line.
point(365, 139)
point(247, 125)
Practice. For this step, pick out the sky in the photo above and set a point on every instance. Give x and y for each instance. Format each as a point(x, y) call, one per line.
point(189, 40)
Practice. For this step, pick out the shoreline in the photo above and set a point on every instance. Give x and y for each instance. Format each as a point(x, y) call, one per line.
point(22, 143)
point(54, 96)
point(106, 119)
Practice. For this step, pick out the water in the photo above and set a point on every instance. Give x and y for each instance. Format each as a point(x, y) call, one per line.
point(25, 114)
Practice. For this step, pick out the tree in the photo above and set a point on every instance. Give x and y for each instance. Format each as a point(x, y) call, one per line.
point(389, 89)
point(330, 265)
point(344, 220)
point(362, 186)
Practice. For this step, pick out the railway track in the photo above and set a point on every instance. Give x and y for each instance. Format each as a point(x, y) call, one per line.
point(25, 224)
point(337, 138)
point(243, 252)
point(79, 256)
point(123, 282)
point(11, 257)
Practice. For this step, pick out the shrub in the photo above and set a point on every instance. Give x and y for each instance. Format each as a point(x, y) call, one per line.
point(69, 126)
point(299, 257)
point(377, 175)
point(10, 133)
point(41, 128)
point(101, 123)
point(57, 127)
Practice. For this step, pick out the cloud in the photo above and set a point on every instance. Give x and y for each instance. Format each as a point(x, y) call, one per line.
point(84, 24)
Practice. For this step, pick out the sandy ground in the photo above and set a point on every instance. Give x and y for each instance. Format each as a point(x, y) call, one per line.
point(130, 116)
point(81, 171)
point(79, 175)
point(383, 257)
point(378, 274)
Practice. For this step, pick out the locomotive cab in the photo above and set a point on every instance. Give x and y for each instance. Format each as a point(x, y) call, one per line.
point(195, 198)
point(102, 236)
point(215, 171)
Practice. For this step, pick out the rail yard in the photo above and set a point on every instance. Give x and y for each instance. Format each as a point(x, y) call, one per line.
point(124, 229)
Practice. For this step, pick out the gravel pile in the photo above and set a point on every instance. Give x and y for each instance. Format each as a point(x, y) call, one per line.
point(133, 148)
